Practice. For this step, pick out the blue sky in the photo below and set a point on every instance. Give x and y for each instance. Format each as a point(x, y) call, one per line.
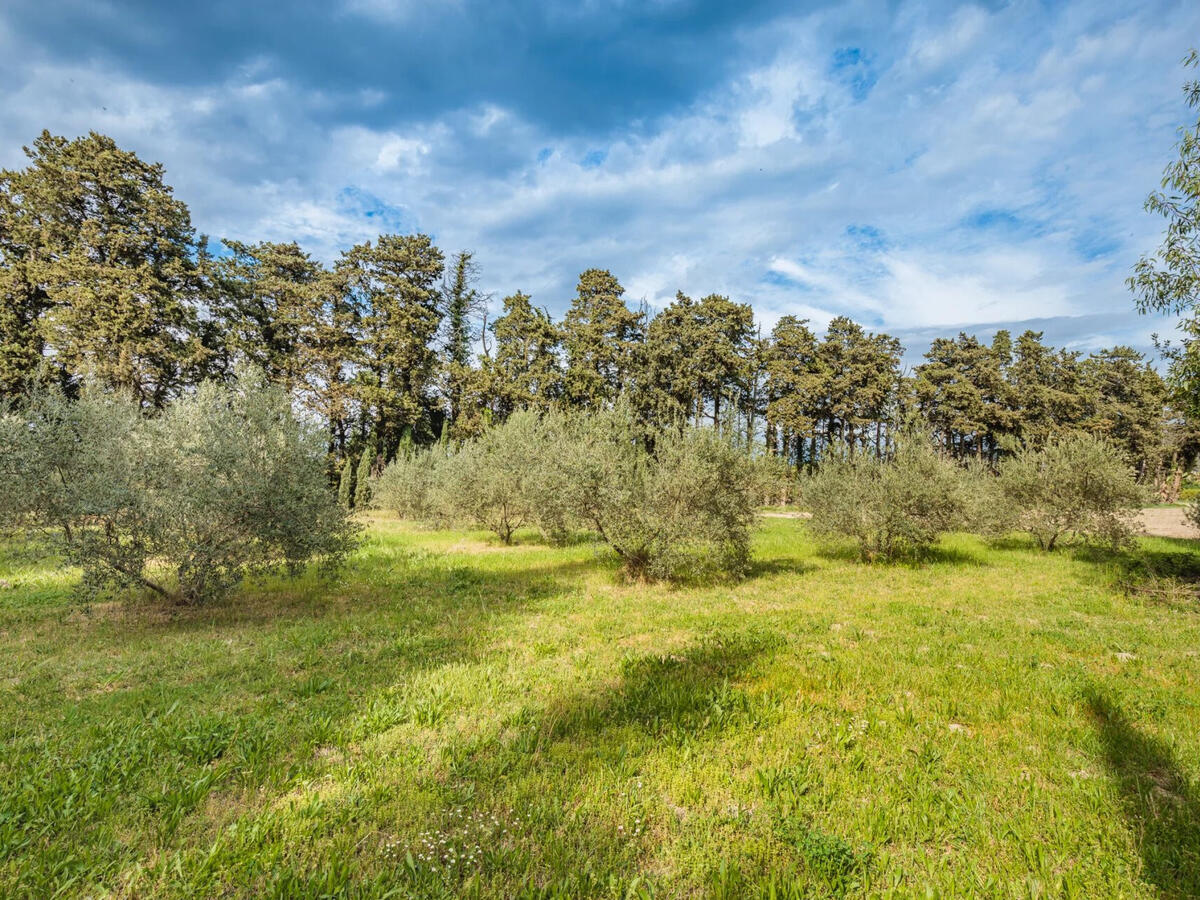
point(922, 167)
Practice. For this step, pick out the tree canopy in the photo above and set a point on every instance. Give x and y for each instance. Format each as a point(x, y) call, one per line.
point(103, 279)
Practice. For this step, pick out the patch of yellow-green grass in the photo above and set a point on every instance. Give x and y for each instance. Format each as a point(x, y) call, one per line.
point(451, 717)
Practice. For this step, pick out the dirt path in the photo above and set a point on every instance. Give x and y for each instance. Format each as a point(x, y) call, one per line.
point(1167, 521)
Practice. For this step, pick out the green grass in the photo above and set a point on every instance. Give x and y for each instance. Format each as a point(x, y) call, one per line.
point(993, 722)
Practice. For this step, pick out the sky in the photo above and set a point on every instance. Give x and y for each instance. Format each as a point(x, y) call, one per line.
point(923, 167)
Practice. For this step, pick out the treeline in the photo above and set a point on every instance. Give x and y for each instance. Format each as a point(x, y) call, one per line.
point(103, 277)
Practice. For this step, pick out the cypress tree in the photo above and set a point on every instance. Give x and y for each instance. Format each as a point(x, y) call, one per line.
point(407, 447)
point(460, 303)
point(346, 485)
point(362, 486)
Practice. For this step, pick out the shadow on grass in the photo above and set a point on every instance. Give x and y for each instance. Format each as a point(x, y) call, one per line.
point(673, 694)
point(911, 559)
point(1161, 805)
point(780, 565)
point(548, 759)
point(1170, 576)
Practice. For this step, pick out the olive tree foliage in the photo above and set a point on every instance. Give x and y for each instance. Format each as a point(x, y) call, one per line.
point(224, 483)
point(672, 503)
point(775, 480)
point(498, 481)
point(890, 506)
point(408, 485)
point(1077, 488)
point(501, 480)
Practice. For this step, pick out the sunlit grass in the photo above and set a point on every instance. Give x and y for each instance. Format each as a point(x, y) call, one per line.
point(451, 717)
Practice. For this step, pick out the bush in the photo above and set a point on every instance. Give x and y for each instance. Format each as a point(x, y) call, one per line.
point(1076, 488)
point(672, 504)
point(408, 485)
point(888, 506)
point(224, 483)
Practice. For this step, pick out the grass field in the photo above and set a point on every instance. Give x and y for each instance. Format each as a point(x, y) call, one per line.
point(453, 718)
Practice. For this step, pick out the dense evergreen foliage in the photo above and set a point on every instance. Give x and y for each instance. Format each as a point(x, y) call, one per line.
point(104, 279)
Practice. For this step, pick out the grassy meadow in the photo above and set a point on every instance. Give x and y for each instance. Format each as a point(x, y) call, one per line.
point(450, 717)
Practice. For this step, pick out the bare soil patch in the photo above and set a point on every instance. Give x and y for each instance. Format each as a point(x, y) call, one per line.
point(1170, 521)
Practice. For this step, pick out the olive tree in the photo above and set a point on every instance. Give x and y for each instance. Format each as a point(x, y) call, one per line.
point(408, 485)
point(502, 480)
point(889, 506)
point(1075, 488)
point(673, 503)
point(226, 482)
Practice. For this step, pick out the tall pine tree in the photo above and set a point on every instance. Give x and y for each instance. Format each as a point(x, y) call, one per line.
point(98, 270)
point(601, 337)
point(392, 288)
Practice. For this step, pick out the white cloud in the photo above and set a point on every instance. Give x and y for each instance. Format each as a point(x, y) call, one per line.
point(1063, 122)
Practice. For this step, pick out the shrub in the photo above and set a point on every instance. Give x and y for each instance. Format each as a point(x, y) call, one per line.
point(1076, 488)
point(224, 483)
point(775, 480)
point(672, 504)
point(888, 506)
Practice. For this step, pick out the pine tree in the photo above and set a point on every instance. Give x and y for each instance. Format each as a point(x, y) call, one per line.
point(795, 384)
point(725, 330)
point(601, 336)
point(525, 372)
point(268, 299)
point(1125, 401)
point(392, 287)
point(98, 271)
point(1045, 389)
point(346, 484)
point(669, 387)
point(963, 395)
point(328, 347)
